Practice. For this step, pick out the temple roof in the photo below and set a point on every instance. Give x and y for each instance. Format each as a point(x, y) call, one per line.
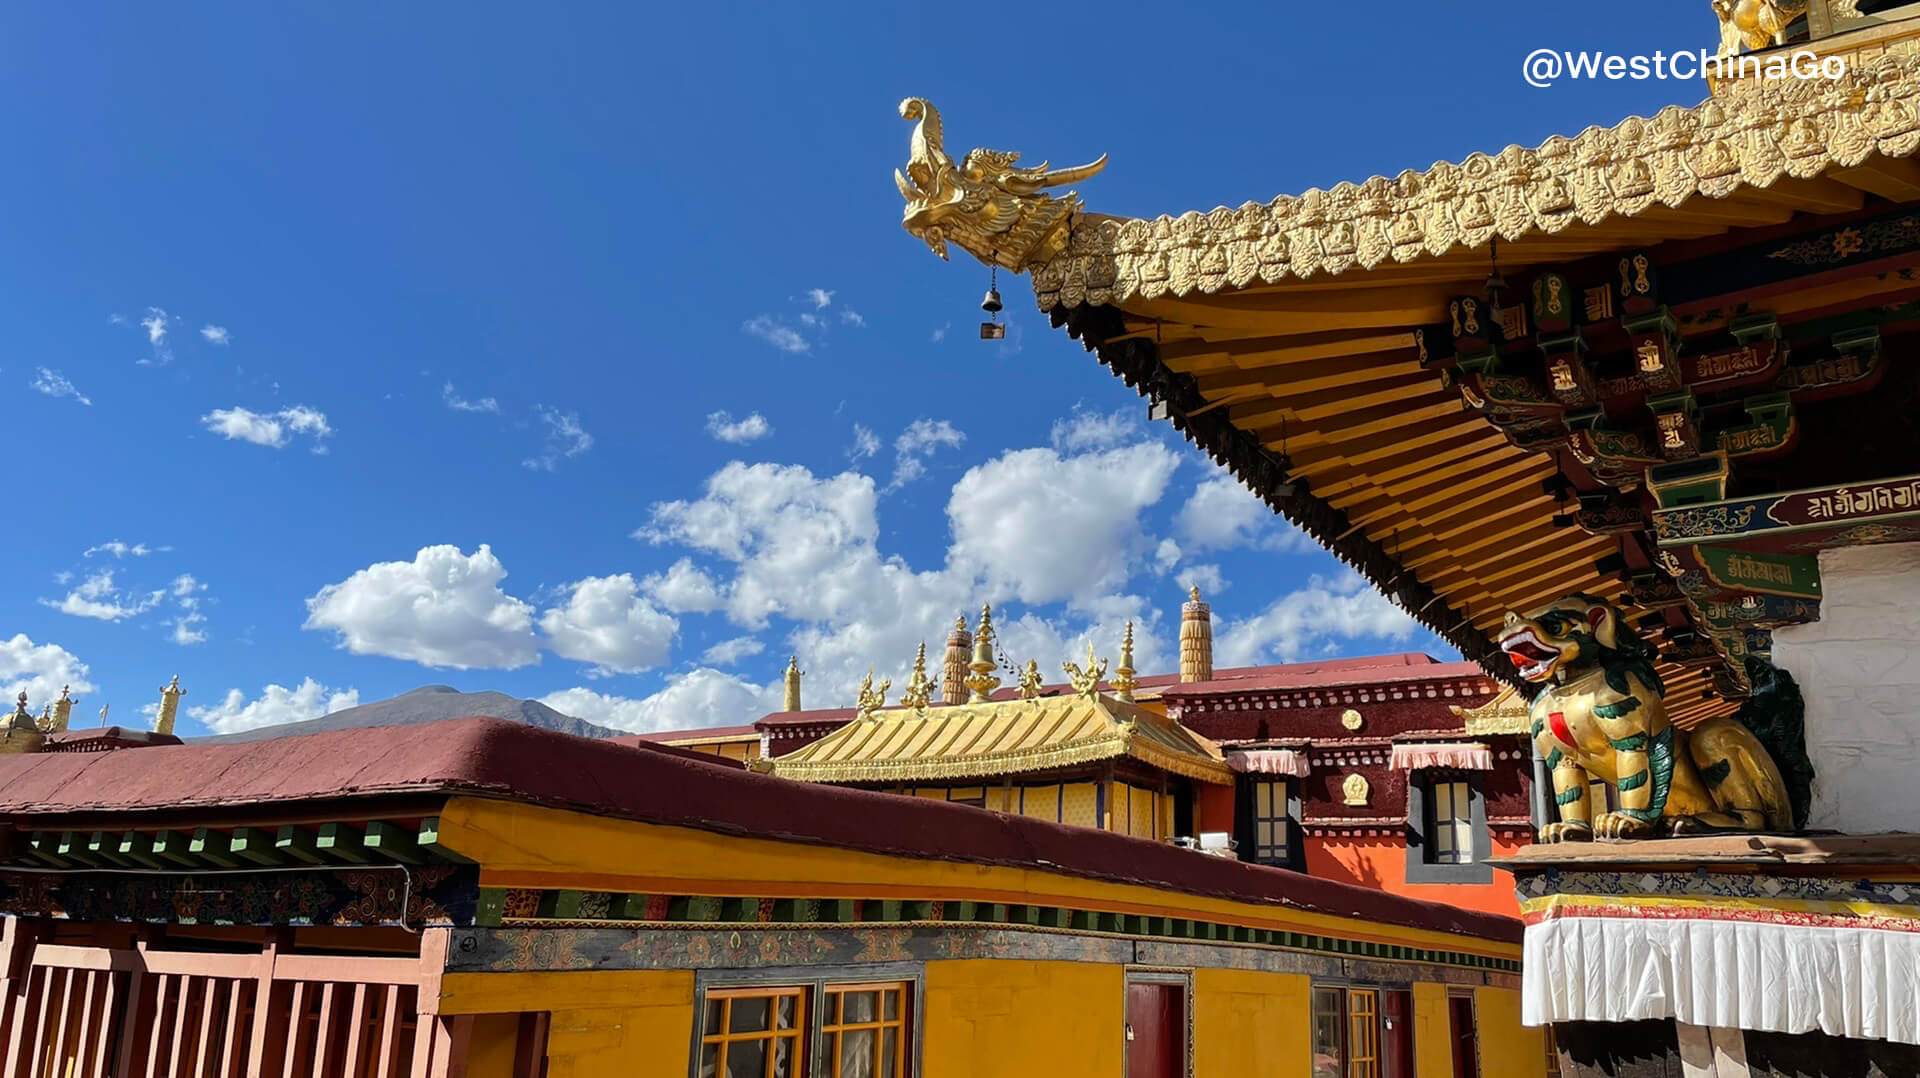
point(303, 776)
point(980, 741)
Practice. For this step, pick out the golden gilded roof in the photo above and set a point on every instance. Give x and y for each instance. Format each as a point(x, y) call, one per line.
point(1009, 737)
point(1757, 135)
point(1504, 714)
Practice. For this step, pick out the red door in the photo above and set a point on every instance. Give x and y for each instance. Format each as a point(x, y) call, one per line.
point(1466, 1049)
point(1156, 1030)
point(1396, 1041)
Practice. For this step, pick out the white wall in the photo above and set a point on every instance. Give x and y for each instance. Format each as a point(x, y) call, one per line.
point(1859, 668)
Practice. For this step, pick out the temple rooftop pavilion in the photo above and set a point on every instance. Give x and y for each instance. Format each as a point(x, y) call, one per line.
point(477, 897)
point(1477, 383)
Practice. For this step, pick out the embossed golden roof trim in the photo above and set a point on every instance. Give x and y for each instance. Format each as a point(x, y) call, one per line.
point(1750, 136)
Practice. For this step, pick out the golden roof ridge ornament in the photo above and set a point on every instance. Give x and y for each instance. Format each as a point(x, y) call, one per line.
point(169, 706)
point(919, 691)
point(1086, 681)
point(981, 682)
point(1123, 680)
point(1030, 681)
point(793, 676)
point(991, 209)
point(869, 699)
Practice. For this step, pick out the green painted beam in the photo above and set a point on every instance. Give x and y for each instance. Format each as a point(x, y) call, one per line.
point(629, 907)
point(138, 848)
point(107, 848)
point(341, 842)
point(171, 847)
point(253, 844)
point(295, 843)
point(390, 842)
point(917, 911)
point(702, 908)
point(490, 906)
point(561, 904)
point(740, 910)
point(840, 910)
point(213, 846)
point(429, 842)
point(960, 911)
point(73, 847)
point(46, 847)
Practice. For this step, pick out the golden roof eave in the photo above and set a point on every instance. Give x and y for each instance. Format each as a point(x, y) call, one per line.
point(1012, 737)
point(1755, 136)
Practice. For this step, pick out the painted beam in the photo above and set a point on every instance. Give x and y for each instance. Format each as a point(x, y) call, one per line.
point(255, 845)
point(171, 847)
point(342, 842)
point(295, 843)
point(213, 846)
point(138, 848)
point(73, 847)
point(46, 847)
point(391, 842)
point(429, 841)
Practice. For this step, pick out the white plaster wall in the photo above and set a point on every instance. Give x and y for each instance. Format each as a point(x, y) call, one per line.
point(1859, 668)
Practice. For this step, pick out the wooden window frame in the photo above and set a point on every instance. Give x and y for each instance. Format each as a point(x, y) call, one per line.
point(815, 981)
point(1346, 993)
point(902, 1023)
point(797, 1033)
point(1370, 1057)
point(1283, 800)
point(1422, 866)
point(1452, 834)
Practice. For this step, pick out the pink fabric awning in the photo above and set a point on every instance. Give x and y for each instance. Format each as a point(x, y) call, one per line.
point(1463, 755)
point(1270, 762)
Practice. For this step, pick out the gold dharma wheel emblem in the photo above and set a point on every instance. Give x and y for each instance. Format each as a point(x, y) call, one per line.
point(1350, 719)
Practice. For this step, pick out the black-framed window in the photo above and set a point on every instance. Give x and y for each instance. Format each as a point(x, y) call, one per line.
point(1447, 836)
point(1272, 820)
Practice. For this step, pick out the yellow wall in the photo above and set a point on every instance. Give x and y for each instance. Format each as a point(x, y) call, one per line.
point(1059, 1019)
point(1433, 1034)
point(625, 1024)
point(1506, 1046)
point(491, 1047)
point(1250, 1023)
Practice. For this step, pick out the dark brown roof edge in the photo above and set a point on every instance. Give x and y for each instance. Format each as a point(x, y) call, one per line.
point(1137, 362)
point(510, 761)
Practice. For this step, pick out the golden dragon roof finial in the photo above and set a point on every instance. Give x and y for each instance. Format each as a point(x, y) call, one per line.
point(869, 699)
point(992, 209)
point(919, 691)
point(1086, 680)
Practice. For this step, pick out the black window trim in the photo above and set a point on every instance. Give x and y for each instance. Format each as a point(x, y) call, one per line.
point(1419, 868)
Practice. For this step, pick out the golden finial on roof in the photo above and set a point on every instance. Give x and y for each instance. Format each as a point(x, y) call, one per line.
point(1123, 680)
point(871, 699)
point(794, 674)
point(169, 706)
point(919, 691)
point(981, 683)
point(1193, 593)
point(953, 668)
point(18, 733)
point(992, 209)
point(62, 711)
point(1086, 681)
point(1030, 682)
point(1196, 639)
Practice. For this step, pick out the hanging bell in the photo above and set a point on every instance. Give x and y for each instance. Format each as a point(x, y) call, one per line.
point(992, 304)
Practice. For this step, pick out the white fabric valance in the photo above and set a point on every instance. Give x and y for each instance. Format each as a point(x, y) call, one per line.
point(1778, 977)
point(1463, 755)
point(1269, 762)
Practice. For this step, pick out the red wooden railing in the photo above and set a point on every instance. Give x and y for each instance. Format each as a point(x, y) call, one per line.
point(144, 1012)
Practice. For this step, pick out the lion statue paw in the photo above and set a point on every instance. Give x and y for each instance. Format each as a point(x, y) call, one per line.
point(1619, 825)
point(1566, 832)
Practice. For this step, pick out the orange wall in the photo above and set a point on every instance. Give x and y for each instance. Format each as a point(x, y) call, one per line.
point(1382, 863)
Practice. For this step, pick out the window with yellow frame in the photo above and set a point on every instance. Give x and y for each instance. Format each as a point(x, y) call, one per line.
point(813, 1029)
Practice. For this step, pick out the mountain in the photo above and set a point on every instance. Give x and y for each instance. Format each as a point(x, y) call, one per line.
point(429, 704)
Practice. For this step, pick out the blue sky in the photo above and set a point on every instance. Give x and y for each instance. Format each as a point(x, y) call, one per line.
point(577, 352)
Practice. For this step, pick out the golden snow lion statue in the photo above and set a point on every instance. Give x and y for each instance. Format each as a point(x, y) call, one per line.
point(1600, 716)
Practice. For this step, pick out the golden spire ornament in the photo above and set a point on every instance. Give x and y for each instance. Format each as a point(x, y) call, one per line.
point(1030, 682)
point(981, 683)
point(169, 706)
point(870, 699)
point(1123, 680)
point(1196, 639)
point(62, 711)
point(794, 674)
point(1086, 680)
point(953, 674)
point(919, 691)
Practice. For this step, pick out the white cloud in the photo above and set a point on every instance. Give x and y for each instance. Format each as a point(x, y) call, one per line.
point(444, 608)
point(187, 623)
point(918, 443)
point(214, 334)
point(187, 629)
point(821, 297)
point(55, 384)
point(565, 438)
point(768, 329)
point(724, 427)
point(39, 670)
point(155, 323)
point(275, 706)
point(865, 444)
point(729, 652)
point(1043, 527)
point(699, 698)
point(120, 549)
point(97, 597)
point(684, 589)
point(1084, 430)
point(853, 318)
point(1205, 576)
point(941, 333)
point(1304, 622)
point(1223, 515)
point(458, 403)
point(606, 622)
point(275, 430)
